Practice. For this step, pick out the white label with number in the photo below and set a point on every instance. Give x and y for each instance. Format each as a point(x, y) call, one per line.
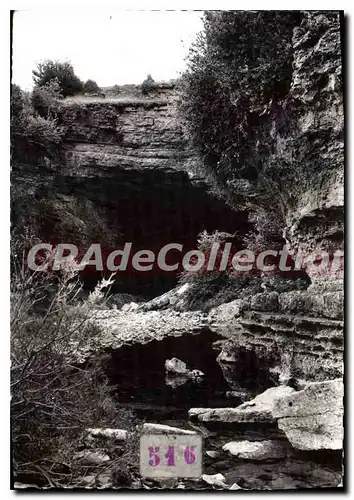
point(171, 455)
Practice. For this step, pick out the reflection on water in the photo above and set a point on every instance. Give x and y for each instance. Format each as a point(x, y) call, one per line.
point(139, 375)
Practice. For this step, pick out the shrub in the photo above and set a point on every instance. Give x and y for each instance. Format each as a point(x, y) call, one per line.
point(148, 85)
point(90, 86)
point(31, 134)
point(45, 99)
point(238, 69)
point(211, 288)
point(116, 89)
point(63, 72)
point(54, 396)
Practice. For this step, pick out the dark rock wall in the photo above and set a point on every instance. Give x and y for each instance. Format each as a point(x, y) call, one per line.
point(126, 175)
point(301, 332)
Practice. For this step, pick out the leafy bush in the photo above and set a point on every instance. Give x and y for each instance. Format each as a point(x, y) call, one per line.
point(31, 134)
point(116, 89)
point(54, 396)
point(63, 72)
point(211, 288)
point(90, 86)
point(46, 99)
point(148, 85)
point(76, 219)
point(238, 69)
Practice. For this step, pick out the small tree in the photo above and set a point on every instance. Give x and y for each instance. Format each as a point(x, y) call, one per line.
point(116, 89)
point(55, 397)
point(31, 134)
point(45, 100)
point(238, 69)
point(49, 70)
point(148, 85)
point(91, 86)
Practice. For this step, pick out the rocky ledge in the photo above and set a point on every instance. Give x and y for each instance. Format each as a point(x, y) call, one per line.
point(311, 419)
point(292, 346)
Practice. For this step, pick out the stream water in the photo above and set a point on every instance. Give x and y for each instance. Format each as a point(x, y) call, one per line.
point(139, 374)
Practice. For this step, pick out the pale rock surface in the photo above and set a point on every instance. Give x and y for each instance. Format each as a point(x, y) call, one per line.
point(235, 486)
point(312, 419)
point(88, 457)
point(256, 450)
point(258, 409)
point(215, 480)
point(150, 428)
point(119, 435)
point(176, 366)
point(133, 306)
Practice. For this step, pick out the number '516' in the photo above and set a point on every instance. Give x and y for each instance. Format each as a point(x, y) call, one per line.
point(155, 455)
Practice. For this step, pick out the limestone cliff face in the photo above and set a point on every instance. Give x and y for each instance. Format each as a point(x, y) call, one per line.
point(298, 335)
point(316, 219)
point(125, 176)
point(301, 332)
point(131, 164)
point(137, 134)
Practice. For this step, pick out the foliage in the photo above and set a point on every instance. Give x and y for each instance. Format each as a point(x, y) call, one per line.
point(148, 85)
point(54, 396)
point(211, 288)
point(116, 89)
point(90, 86)
point(46, 99)
point(239, 68)
point(32, 135)
point(63, 72)
point(75, 219)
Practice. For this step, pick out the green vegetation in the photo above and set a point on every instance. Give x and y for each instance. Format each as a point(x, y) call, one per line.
point(33, 136)
point(209, 289)
point(239, 68)
point(90, 86)
point(46, 99)
point(148, 85)
point(55, 397)
point(63, 72)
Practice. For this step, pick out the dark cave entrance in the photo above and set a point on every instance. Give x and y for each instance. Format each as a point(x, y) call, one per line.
point(139, 376)
point(138, 373)
point(152, 208)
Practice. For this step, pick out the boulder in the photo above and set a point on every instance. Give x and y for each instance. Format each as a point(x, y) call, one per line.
point(235, 486)
point(212, 453)
point(114, 435)
point(225, 313)
point(243, 395)
point(104, 480)
point(174, 299)
point(266, 301)
point(256, 450)
point(196, 375)
point(312, 418)
point(258, 409)
point(217, 480)
point(133, 306)
point(22, 486)
point(176, 366)
point(316, 432)
point(88, 457)
point(160, 429)
point(316, 397)
point(88, 481)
